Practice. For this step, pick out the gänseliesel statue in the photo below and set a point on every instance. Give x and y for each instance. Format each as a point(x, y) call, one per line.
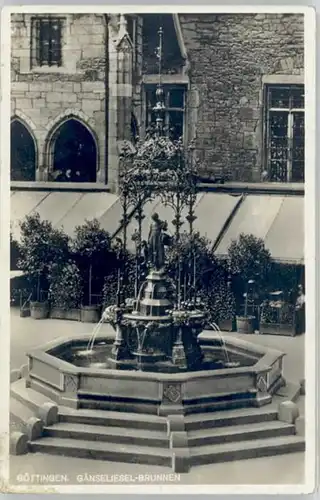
point(156, 242)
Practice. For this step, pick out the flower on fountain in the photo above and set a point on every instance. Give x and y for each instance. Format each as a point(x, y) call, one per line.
point(180, 317)
point(112, 314)
point(108, 314)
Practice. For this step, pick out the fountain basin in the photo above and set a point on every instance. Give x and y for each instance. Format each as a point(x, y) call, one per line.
point(98, 386)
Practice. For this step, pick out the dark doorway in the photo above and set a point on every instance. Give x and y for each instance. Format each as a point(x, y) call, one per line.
point(74, 153)
point(23, 153)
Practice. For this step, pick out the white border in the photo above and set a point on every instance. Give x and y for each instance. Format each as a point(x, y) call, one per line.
point(310, 345)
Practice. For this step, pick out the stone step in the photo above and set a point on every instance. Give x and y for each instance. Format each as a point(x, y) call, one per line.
point(246, 449)
point(237, 433)
point(19, 414)
point(113, 419)
point(88, 402)
point(49, 392)
point(289, 392)
point(102, 451)
point(120, 435)
point(229, 417)
point(27, 396)
point(233, 404)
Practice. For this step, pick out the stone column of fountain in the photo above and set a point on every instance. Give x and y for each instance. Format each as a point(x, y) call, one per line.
point(159, 334)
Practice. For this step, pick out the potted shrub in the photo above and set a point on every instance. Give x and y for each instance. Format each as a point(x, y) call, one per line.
point(247, 259)
point(280, 317)
point(112, 283)
point(65, 292)
point(41, 248)
point(247, 322)
point(14, 253)
point(93, 254)
point(224, 307)
point(219, 302)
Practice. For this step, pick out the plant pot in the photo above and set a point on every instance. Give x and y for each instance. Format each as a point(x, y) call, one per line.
point(72, 314)
point(226, 325)
point(285, 329)
point(90, 314)
point(245, 324)
point(57, 313)
point(39, 310)
point(25, 312)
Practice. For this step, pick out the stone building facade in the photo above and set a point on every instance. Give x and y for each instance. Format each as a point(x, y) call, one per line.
point(233, 58)
point(83, 83)
point(49, 95)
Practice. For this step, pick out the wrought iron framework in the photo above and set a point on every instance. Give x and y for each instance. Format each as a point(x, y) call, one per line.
point(159, 168)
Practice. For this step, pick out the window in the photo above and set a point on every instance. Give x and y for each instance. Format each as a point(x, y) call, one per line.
point(285, 133)
point(74, 153)
point(46, 41)
point(174, 99)
point(23, 153)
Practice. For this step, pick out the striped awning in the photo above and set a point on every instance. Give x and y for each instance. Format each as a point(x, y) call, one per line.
point(221, 217)
point(278, 220)
point(212, 210)
point(65, 209)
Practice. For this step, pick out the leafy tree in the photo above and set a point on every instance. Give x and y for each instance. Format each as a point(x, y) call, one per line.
point(14, 253)
point(66, 288)
point(42, 249)
point(219, 301)
point(248, 259)
point(195, 253)
point(94, 256)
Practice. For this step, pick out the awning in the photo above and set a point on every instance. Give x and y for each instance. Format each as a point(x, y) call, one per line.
point(212, 211)
point(221, 217)
point(64, 209)
point(278, 220)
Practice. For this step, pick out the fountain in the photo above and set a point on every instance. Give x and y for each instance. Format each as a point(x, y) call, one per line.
point(160, 360)
point(160, 366)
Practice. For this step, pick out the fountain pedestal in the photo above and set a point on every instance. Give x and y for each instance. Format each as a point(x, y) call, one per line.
point(155, 336)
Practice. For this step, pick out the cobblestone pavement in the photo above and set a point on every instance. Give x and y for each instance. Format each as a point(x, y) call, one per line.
point(285, 469)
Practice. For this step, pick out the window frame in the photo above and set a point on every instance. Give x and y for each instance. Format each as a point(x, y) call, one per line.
point(36, 59)
point(290, 116)
point(167, 87)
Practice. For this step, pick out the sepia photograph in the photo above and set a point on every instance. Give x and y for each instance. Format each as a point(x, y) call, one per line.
point(161, 269)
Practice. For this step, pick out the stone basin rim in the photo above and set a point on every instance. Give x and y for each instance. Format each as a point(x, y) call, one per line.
point(263, 365)
point(205, 336)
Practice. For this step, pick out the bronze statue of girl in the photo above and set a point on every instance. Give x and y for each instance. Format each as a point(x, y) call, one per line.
point(156, 242)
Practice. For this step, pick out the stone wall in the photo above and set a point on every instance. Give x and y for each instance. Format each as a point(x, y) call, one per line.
point(45, 97)
point(231, 57)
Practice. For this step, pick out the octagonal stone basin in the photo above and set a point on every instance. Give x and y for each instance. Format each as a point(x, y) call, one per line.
point(248, 375)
